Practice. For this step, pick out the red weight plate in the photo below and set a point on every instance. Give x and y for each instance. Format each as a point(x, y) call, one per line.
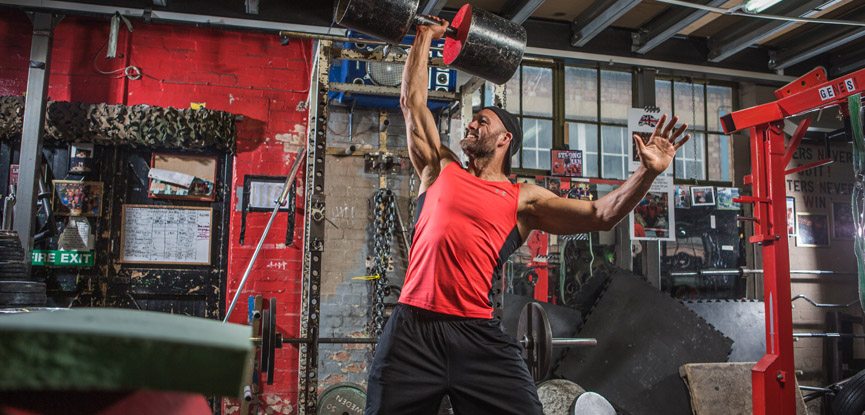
point(461, 22)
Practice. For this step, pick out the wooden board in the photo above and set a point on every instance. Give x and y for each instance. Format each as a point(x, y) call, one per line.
point(103, 349)
point(724, 388)
point(153, 234)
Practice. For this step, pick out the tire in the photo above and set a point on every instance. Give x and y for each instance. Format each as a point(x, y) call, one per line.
point(850, 399)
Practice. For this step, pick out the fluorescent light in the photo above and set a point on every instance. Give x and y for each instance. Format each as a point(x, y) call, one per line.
point(757, 6)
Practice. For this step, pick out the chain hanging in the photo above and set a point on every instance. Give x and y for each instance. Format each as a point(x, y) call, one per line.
point(381, 261)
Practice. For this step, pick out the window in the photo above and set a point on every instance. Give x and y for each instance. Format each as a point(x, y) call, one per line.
point(594, 122)
point(529, 95)
point(701, 106)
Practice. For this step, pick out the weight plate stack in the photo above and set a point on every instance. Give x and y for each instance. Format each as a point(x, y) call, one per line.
point(12, 266)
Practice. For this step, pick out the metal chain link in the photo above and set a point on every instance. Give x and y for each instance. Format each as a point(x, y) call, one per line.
point(384, 226)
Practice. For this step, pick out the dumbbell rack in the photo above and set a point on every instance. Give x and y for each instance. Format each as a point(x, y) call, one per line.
point(773, 383)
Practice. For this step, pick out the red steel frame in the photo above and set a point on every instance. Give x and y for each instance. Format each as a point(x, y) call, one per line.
point(772, 378)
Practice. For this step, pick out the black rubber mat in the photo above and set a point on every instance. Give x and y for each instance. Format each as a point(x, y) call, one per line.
point(644, 336)
point(743, 321)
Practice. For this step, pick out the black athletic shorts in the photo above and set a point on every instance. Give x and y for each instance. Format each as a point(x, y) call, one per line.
point(422, 355)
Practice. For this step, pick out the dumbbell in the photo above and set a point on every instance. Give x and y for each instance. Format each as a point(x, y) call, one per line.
point(476, 42)
point(536, 337)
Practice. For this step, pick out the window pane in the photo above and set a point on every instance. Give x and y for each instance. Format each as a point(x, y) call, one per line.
point(537, 140)
point(537, 91)
point(512, 94)
point(585, 137)
point(614, 151)
point(613, 168)
point(581, 94)
point(689, 105)
point(719, 101)
point(690, 160)
point(615, 96)
point(664, 95)
point(719, 157)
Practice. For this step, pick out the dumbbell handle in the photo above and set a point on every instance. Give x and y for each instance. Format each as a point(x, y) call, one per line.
point(424, 20)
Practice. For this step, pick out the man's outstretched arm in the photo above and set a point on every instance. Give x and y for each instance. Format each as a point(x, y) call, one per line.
point(542, 209)
point(421, 130)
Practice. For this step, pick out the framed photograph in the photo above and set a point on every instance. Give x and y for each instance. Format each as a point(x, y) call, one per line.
point(725, 198)
point(702, 196)
point(792, 230)
point(568, 163)
point(183, 177)
point(553, 184)
point(682, 196)
point(80, 158)
point(75, 198)
point(654, 217)
point(842, 221)
point(813, 230)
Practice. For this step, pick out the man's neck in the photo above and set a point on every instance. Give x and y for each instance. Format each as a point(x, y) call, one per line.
point(487, 169)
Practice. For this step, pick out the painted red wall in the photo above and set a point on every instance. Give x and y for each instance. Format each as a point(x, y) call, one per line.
point(245, 73)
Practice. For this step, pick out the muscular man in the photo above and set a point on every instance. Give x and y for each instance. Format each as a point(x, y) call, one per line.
point(441, 339)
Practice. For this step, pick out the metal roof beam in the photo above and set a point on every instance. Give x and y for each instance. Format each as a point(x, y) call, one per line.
point(819, 41)
point(760, 30)
point(667, 25)
point(432, 7)
point(520, 10)
point(598, 17)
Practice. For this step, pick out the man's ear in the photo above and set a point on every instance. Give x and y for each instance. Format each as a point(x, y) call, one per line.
point(507, 138)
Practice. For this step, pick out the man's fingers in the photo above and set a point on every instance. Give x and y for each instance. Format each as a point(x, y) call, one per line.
point(640, 145)
point(660, 125)
point(678, 132)
point(684, 140)
point(670, 125)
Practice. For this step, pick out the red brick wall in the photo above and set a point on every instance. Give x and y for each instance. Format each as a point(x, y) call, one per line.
point(245, 73)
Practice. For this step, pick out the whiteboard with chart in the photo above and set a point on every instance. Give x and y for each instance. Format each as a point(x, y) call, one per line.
point(154, 234)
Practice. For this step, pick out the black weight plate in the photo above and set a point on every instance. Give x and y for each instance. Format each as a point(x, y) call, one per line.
point(21, 287)
point(342, 399)
point(271, 341)
point(22, 299)
point(265, 340)
point(535, 328)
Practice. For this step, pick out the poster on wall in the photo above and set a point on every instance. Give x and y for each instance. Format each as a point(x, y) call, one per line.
point(842, 221)
point(654, 217)
point(642, 122)
point(75, 198)
point(702, 196)
point(568, 163)
point(725, 198)
point(813, 230)
point(791, 216)
point(162, 234)
point(682, 195)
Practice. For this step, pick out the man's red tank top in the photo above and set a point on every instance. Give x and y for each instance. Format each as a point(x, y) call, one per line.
point(466, 228)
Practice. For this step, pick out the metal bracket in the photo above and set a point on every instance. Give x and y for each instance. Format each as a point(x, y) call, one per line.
point(384, 163)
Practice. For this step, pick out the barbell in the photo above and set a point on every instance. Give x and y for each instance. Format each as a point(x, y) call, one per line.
point(536, 337)
point(476, 42)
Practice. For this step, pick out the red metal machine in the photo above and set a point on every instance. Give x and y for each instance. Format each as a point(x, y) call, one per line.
point(773, 376)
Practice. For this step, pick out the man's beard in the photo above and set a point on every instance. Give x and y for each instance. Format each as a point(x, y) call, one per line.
point(476, 148)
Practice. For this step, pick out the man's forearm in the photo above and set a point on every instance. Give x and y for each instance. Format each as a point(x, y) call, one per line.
point(615, 205)
point(415, 73)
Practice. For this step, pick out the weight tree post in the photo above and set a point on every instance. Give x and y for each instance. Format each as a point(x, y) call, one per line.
point(773, 377)
point(313, 235)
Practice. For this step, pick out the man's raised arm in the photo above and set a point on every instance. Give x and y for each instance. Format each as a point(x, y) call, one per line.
point(545, 211)
point(421, 130)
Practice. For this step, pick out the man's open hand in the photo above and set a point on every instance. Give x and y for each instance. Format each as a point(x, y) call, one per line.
point(658, 152)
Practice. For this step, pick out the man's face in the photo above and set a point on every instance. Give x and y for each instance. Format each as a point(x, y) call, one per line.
point(483, 135)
